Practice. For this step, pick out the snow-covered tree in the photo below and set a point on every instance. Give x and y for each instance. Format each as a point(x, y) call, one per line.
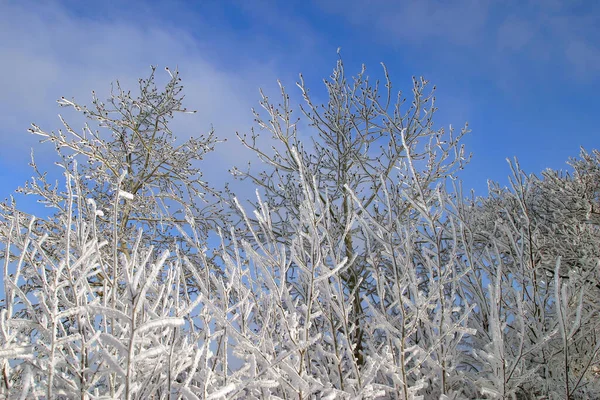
point(129, 133)
point(362, 139)
point(359, 272)
point(534, 251)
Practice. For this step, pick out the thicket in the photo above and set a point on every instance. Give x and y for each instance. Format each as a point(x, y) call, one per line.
point(361, 270)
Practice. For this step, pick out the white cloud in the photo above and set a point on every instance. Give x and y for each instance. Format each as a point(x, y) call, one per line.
point(416, 22)
point(500, 36)
point(584, 58)
point(515, 33)
point(458, 22)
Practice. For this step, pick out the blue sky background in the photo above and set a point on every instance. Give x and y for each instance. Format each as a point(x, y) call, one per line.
point(524, 74)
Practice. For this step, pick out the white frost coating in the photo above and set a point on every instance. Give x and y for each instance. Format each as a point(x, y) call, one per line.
point(161, 323)
point(270, 383)
point(332, 272)
point(15, 352)
point(114, 342)
point(114, 364)
point(26, 383)
point(92, 203)
point(186, 392)
point(151, 353)
point(222, 392)
point(125, 195)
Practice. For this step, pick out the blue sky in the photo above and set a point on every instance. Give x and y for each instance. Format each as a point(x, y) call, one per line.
point(524, 74)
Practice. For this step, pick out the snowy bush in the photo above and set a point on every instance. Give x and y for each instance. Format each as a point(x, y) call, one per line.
point(360, 271)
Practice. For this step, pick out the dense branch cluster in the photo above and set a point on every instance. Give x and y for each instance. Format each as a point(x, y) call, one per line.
point(359, 271)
